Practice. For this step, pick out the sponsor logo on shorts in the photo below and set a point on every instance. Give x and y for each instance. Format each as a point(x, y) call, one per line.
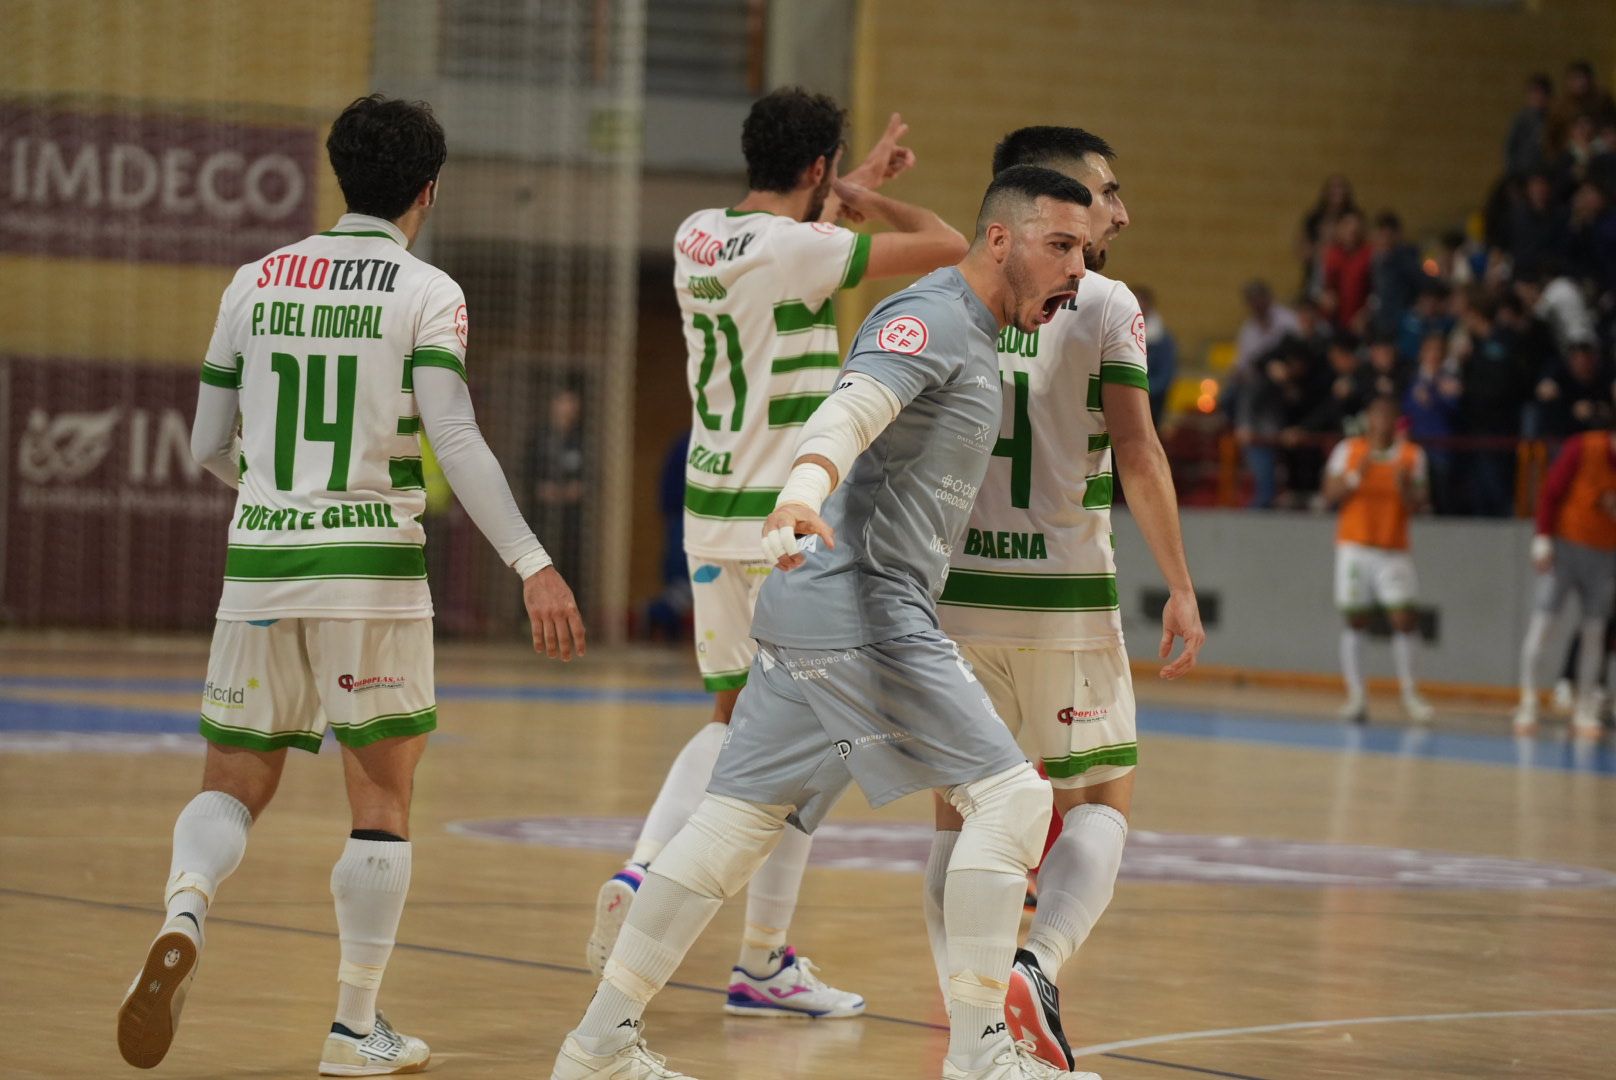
point(807, 668)
point(227, 697)
point(370, 682)
point(979, 440)
point(942, 547)
point(1073, 715)
point(706, 574)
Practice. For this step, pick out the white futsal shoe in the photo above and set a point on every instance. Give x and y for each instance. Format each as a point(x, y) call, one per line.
point(1524, 722)
point(150, 1013)
point(1354, 711)
point(632, 1062)
point(1565, 697)
point(384, 1052)
point(611, 912)
point(794, 990)
point(1585, 722)
point(1015, 1062)
point(1417, 709)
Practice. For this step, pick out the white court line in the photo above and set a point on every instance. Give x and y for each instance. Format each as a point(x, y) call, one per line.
point(1183, 1036)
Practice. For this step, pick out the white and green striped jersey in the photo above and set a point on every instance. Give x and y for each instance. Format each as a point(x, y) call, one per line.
point(1037, 565)
point(320, 338)
point(755, 295)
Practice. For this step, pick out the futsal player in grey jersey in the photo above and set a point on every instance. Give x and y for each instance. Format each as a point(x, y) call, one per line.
point(854, 680)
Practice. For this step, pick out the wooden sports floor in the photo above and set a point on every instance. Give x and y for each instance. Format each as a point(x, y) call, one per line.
point(1298, 900)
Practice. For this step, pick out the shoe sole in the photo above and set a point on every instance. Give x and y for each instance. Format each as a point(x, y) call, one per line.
point(373, 1070)
point(146, 1019)
point(1024, 1014)
point(611, 911)
point(780, 1012)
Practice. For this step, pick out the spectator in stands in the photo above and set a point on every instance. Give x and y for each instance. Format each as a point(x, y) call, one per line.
point(1460, 260)
point(1389, 374)
point(1266, 326)
point(1428, 316)
point(668, 612)
point(1570, 169)
point(1493, 384)
point(1538, 227)
point(1576, 396)
point(1161, 351)
point(1580, 96)
point(1591, 243)
point(1318, 226)
point(1395, 274)
point(1556, 299)
point(1347, 265)
point(1431, 407)
point(556, 469)
point(1349, 387)
point(1523, 148)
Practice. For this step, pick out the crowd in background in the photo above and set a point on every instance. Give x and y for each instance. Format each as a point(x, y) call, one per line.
point(1485, 339)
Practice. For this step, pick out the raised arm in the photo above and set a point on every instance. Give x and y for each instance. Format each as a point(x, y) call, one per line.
point(918, 241)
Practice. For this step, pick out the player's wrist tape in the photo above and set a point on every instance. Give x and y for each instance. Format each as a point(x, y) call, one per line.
point(808, 484)
point(531, 563)
point(1542, 548)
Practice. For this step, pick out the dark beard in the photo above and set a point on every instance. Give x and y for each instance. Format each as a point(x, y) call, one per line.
point(1094, 258)
point(816, 208)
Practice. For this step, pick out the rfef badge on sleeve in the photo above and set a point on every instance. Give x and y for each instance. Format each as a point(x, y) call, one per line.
point(905, 334)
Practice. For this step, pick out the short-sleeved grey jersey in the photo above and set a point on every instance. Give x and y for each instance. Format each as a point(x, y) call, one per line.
point(905, 503)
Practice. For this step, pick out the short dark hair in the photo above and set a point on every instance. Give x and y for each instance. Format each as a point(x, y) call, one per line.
point(1044, 144)
point(1382, 398)
point(1026, 183)
point(1388, 219)
point(786, 132)
point(1581, 67)
point(384, 151)
point(1540, 81)
point(1344, 341)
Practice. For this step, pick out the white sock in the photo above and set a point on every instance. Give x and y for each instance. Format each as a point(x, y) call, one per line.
point(1076, 882)
point(1351, 671)
point(1590, 655)
point(210, 837)
point(981, 915)
point(942, 849)
point(369, 884)
point(1537, 628)
point(771, 900)
point(1403, 661)
point(682, 791)
point(663, 924)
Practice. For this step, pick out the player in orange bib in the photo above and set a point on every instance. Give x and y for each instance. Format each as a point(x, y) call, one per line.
point(1378, 480)
point(1574, 551)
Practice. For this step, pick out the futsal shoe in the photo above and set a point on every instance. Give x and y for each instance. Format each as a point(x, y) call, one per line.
point(1032, 1010)
point(1015, 1062)
point(1585, 722)
point(1354, 712)
point(1565, 697)
point(632, 1062)
point(611, 911)
point(1524, 722)
point(150, 1013)
point(793, 991)
point(1418, 709)
point(384, 1052)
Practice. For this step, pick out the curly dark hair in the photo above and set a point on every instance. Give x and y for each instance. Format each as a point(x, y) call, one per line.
point(384, 151)
point(1045, 145)
point(785, 133)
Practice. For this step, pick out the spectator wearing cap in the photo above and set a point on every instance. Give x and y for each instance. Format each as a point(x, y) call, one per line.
point(1347, 273)
point(1523, 147)
point(1395, 274)
point(1576, 396)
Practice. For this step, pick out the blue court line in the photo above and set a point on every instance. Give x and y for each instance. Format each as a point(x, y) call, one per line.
point(542, 965)
point(22, 715)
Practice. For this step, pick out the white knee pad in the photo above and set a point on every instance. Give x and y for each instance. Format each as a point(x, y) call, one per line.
point(1006, 820)
point(722, 845)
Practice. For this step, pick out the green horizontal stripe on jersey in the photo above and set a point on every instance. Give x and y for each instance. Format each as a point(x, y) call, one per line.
point(794, 316)
point(409, 425)
point(1124, 375)
point(430, 356)
point(365, 232)
point(858, 260)
point(406, 473)
point(807, 360)
point(287, 562)
point(1097, 492)
point(1030, 592)
point(219, 377)
point(729, 680)
point(793, 409)
point(1099, 442)
point(1094, 394)
point(248, 739)
point(1073, 764)
point(756, 503)
point(389, 726)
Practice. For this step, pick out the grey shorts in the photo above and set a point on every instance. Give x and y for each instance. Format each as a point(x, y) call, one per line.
point(896, 716)
point(1587, 572)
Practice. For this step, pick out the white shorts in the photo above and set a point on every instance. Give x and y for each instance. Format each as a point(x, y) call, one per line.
point(724, 592)
point(1369, 577)
point(1072, 711)
point(278, 685)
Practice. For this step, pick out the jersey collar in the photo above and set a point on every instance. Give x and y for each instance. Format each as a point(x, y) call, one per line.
point(365, 225)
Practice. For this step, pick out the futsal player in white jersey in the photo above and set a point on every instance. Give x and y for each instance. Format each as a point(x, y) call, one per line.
point(756, 283)
point(335, 352)
point(1032, 595)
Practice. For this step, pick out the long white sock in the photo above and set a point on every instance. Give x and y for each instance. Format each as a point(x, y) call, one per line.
point(1403, 661)
point(1076, 882)
point(210, 837)
point(1537, 628)
point(942, 849)
point(981, 914)
point(663, 924)
point(369, 884)
point(771, 900)
point(1590, 655)
point(1351, 670)
point(682, 791)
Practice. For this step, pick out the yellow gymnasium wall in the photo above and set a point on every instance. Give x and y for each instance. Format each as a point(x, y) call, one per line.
point(286, 64)
point(1226, 115)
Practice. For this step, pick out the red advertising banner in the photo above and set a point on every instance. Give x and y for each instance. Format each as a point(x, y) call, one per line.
point(152, 187)
point(109, 522)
